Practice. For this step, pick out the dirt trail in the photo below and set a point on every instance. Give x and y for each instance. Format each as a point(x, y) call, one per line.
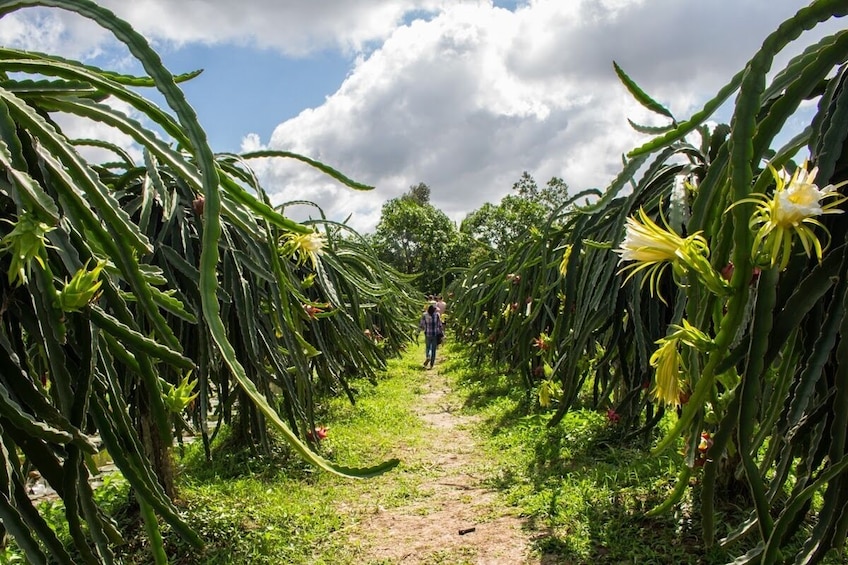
point(457, 520)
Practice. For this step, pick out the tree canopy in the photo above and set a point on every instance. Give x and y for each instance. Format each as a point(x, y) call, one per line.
point(495, 226)
point(416, 238)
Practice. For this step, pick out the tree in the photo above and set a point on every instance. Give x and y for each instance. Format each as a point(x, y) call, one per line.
point(416, 238)
point(496, 226)
point(551, 197)
point(419, 193)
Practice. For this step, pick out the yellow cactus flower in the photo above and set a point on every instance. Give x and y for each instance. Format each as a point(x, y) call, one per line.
point(563, 266)
point(648, 244)
point(667, 361)
point(791, 212)
point(307, 246)
point(653, 248)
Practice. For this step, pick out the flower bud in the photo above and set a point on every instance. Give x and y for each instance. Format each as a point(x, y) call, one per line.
point(82, 289)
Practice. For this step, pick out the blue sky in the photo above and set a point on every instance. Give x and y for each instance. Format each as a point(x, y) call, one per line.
point(246, 89)
point(464, 95)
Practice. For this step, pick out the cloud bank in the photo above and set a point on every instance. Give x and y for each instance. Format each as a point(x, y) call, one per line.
point(463, 96)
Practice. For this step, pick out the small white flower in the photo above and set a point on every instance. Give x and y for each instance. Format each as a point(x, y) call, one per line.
point(313, 243)
point(653, 248)
point(801, 199)
point(791, 212)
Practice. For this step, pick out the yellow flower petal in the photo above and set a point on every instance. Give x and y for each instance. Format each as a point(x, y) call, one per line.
point(667, 362)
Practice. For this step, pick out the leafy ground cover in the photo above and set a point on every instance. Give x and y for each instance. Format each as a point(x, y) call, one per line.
point(579, 482)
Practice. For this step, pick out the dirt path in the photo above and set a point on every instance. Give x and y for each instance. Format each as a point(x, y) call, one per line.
point(455, 519)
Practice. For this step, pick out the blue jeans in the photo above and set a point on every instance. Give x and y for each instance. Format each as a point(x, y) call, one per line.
point(430, 345)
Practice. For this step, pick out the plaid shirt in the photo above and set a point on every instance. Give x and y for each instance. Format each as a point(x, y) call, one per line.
point(430, 324)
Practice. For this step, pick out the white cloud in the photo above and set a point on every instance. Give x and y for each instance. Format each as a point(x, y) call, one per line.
point(290, 26)
point(468, 100)
point(464, 98)
point(52, 31)
point(444, 102)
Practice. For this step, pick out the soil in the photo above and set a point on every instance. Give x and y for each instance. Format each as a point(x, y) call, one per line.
point(458, 520)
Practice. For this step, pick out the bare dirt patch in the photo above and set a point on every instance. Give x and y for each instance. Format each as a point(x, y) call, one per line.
point(454, 519)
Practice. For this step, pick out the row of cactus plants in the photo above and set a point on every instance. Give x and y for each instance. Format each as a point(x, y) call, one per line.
point(708, 281)
point(139, 292)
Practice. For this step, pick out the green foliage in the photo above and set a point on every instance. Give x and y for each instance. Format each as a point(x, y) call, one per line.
point(419, 193)
point(417, 239)
point(254, 508)
point(588, 490)
point(762, 398)
point(582, 490)
point(551, 197)
point(496, 227)
point(125, 276)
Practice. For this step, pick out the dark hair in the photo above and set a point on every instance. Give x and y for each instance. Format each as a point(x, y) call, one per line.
point(431, 309)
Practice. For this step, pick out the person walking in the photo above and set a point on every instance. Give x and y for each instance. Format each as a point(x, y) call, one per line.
point(431, 323)
point(441, 306)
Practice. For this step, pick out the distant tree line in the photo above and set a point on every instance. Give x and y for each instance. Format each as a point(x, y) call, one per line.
point(418, 239)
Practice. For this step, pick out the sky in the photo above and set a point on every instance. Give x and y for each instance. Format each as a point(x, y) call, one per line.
point(463, 95)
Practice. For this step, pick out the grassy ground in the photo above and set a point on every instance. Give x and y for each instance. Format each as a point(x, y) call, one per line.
point(582, 494)
point(576, 481)
point(588, 490)
point(282, 511)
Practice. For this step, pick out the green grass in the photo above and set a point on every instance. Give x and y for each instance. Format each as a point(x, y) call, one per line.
point(279, 510)
point(582, 486)
point(581, 492)
point(573, 481)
